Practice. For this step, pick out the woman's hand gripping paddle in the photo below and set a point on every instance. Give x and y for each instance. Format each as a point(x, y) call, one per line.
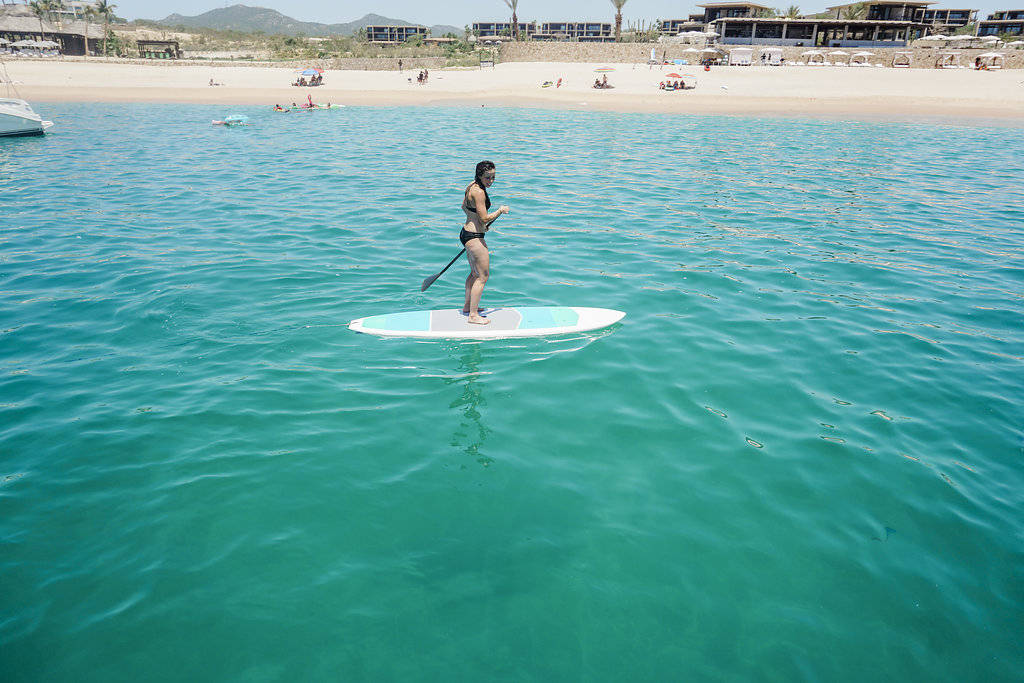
point(430, 280)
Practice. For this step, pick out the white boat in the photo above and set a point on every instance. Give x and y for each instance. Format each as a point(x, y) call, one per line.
point(17, 118)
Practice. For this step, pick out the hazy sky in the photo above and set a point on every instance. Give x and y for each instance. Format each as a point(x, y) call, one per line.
point(462, 12)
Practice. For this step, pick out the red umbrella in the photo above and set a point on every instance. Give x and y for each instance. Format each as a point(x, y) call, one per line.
point(673, 75)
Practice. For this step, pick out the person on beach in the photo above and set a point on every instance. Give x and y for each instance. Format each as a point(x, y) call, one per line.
point(476, 202)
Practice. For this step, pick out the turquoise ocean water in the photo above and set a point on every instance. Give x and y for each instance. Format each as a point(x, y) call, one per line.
point(798, 458)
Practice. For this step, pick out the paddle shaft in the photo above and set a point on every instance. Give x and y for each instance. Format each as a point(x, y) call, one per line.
point(430, 280)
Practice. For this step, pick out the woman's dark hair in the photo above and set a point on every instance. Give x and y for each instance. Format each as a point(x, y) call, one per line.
point(481, 168)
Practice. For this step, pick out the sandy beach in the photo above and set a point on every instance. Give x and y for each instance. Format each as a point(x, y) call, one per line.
point(724, 90)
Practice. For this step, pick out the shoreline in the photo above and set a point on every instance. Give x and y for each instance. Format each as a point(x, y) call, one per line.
point(795, 91)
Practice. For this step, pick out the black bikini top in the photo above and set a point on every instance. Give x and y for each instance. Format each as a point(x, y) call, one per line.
point(487, 198)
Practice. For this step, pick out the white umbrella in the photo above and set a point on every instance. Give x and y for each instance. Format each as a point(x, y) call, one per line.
point(810, 52)
point(47, 43)
point(960, 38)
point(1016, 42)
point(935, 37)
point(691, 49)
point(991, 54)
point(838, 52)
point(24, 43)
point(4, 41)
point(862, 54)
point(711, 33)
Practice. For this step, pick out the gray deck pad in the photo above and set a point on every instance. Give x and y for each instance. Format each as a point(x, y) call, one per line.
point(453, 320)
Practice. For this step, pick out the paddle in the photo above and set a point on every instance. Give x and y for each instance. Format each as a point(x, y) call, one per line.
point(430, 280)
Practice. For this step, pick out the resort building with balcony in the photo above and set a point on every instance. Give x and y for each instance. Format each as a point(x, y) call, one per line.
point(385, 35)
point(495, 29)
point(949, 19)
point(576, 31)
point(730, 10)
point(1007, 21)
point(673, 27)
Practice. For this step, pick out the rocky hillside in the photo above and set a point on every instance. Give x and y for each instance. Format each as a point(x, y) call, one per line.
point(251, 19)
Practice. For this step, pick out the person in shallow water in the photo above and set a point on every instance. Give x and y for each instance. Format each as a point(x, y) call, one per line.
point(476, 203)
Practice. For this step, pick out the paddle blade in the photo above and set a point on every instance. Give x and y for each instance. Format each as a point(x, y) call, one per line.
point(429, 281)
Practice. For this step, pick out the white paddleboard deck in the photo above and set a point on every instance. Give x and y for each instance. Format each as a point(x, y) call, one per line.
point(516, 321)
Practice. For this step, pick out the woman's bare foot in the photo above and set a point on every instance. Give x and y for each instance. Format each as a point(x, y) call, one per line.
point(478, 320)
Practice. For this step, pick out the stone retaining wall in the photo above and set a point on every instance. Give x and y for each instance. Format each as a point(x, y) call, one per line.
point(632, 53)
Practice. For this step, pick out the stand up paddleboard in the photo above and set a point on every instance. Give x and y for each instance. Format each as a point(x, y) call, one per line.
point(519, 321)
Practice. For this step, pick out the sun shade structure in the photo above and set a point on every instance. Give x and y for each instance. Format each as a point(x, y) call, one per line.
point(901, 60)
point(603, 70)
point(990, 60)
point(948, 60)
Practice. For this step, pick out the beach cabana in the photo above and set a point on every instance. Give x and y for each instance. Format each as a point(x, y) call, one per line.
point(862, 58)
point(989, 60)
point(710, 54)
point(814, 57)
point(840, 58)
point(901, 60)
point(948, 60)
point(740, 56)
point(772, 56)
point(1016, 44)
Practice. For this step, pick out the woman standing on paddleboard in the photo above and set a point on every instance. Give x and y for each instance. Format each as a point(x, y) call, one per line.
point(475, 203)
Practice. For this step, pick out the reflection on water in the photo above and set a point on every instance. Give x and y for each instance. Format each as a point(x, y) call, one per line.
point(471, 432)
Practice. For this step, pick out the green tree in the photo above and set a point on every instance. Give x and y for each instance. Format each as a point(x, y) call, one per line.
point(514, 5)
point(106, 10)
point(40, 8)
point(618, 17)
point(855, 11)
point(792, 12)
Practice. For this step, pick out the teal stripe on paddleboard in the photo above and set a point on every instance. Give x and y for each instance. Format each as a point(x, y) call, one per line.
point(413, 321)
point(538, 317)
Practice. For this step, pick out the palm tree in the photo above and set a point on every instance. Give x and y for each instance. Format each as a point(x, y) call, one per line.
point(618, 17)
point(855, 11)
point(792, 12)
point(105, 10)
point(513, 5)
point(88, 14)
point(40, 8)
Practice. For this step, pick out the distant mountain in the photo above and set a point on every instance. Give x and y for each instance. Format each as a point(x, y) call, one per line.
point(251, 19)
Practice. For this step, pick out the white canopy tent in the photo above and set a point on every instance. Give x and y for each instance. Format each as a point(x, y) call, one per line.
point(839, 57)
point(814, 57)
point(740, 56)
point(990, 60)
point(948, 60)
point(771, 56)
point(861, 58)
point(901, 60)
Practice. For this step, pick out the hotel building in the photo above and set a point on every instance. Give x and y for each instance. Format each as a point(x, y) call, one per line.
point(1007, 21)
point(384, 35)
point(494, 29)
point(884, 24)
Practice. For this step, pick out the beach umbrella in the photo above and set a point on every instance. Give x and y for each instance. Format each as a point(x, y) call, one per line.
point(673, 75)
point(934, 37)
point(810, 52)
point(311, 71)
point(989, 39)
point(603, 70)
point(839, 52)
point(693, 49)
point(960, 38)
point(4, 41)
point(47, 43)
point(862, 54)
point(1016, 42)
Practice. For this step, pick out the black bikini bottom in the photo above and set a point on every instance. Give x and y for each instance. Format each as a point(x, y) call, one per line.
point(466, 236)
